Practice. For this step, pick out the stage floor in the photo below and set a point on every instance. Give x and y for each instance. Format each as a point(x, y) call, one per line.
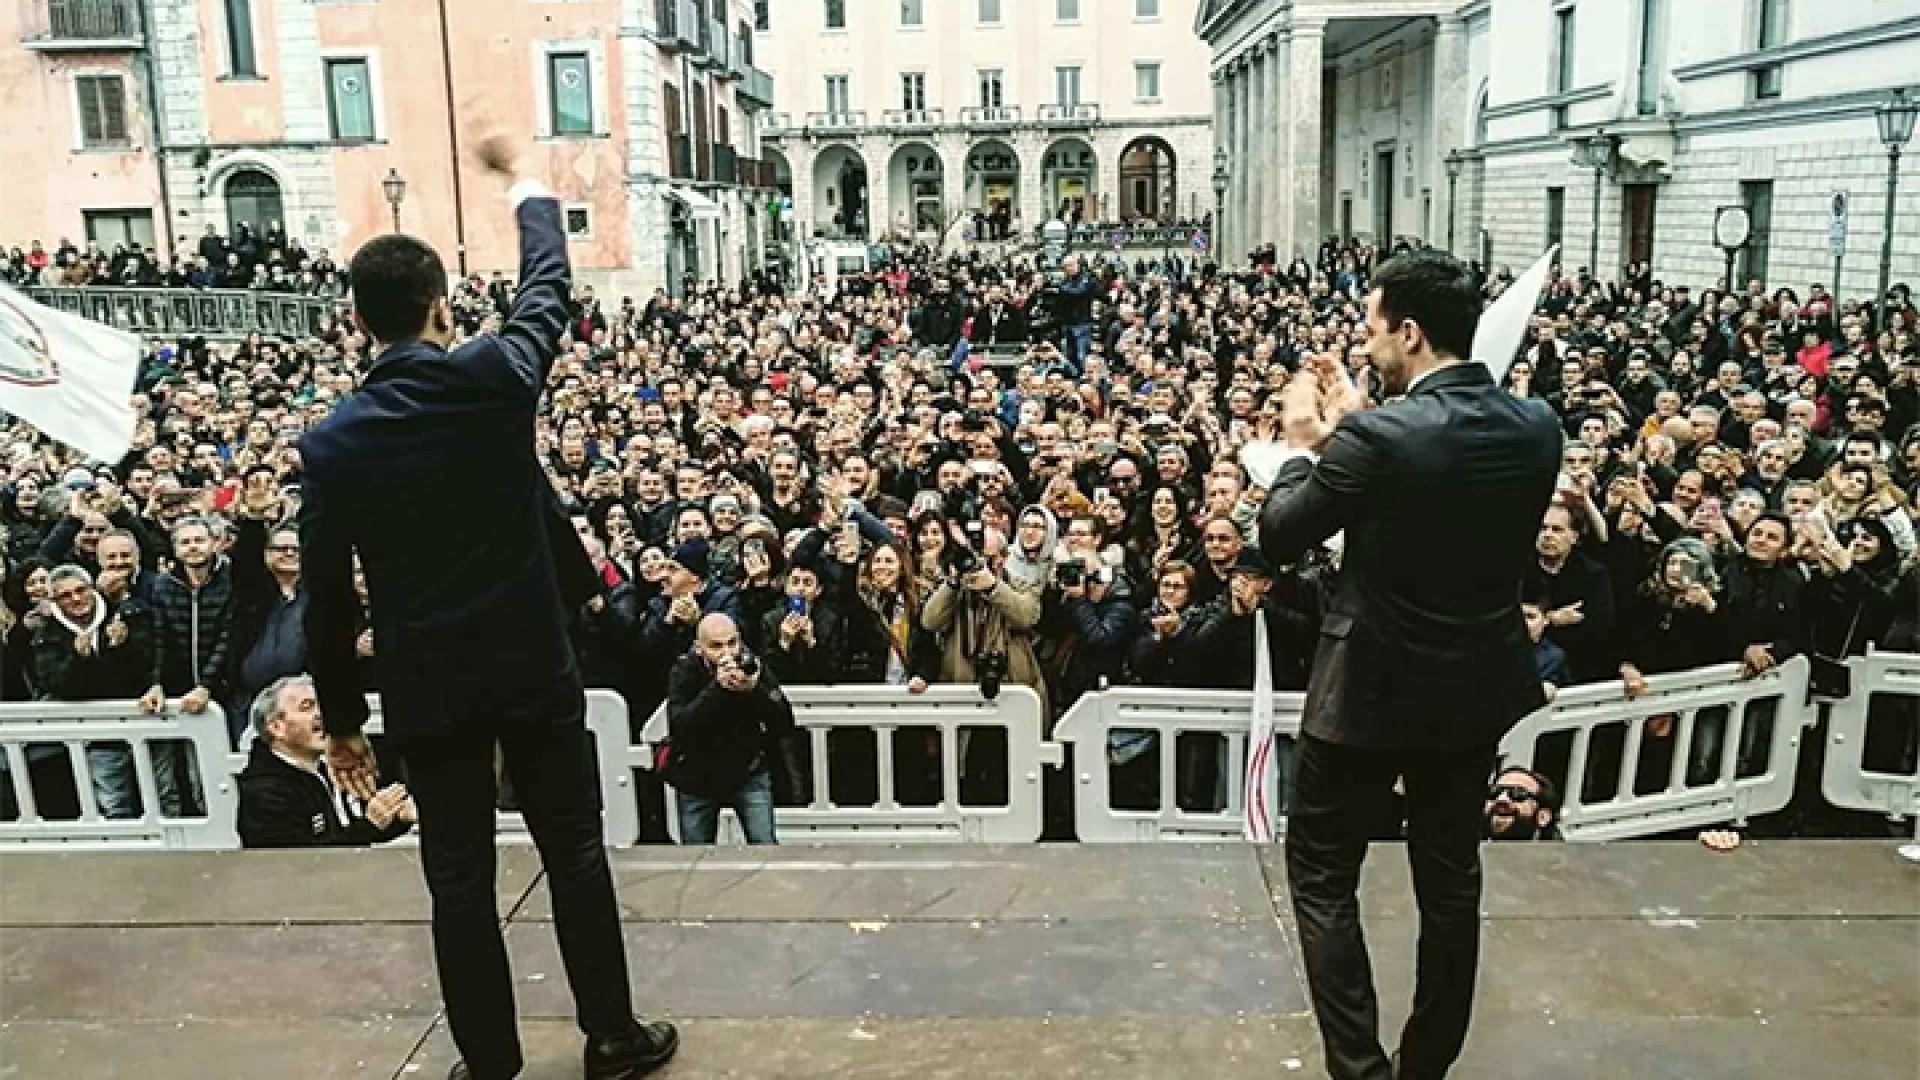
point(1628, 961)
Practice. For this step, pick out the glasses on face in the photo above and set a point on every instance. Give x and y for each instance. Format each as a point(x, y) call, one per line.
point(1513, 793)
point(283, 549)
point(67, 596)
point(1217, 539)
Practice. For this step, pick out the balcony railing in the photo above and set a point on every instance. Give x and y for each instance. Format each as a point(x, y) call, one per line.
point(755, 85)
point(836, 121)
point(1069, 116)
point(775, 125)
point(726, 164)
point(713, 47)
point(214, 313)
point(680, 157)
point(990, 118)
point(87, 24)
point(913, 119)
point(678, 24)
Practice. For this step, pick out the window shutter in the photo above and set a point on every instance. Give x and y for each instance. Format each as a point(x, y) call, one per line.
point(89, 91)
point(113, 109)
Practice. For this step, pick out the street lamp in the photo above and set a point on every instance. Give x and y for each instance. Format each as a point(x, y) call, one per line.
point(1596, 152)
point(396, 190)
point(1220, 177)
point(1895, 116)
point(1455, 159)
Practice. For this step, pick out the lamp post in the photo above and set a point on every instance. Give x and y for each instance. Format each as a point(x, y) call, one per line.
point(396, 190)
point(1895, 116)
point(1220, 177)
point(1596, 152)
point(1455, 159)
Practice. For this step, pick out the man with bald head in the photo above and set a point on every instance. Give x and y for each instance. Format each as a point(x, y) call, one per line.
point(726, 716)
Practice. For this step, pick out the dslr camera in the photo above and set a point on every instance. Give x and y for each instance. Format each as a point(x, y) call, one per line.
point(991, 670)
point(1070, 575)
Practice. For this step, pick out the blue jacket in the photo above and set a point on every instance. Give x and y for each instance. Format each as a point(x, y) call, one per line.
point(428, 471)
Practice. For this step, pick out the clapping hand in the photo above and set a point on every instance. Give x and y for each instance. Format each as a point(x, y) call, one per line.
point(350, 760)
point(1319, 396)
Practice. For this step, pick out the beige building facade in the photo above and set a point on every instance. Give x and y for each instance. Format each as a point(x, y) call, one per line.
point(151, 120)
point(1339, 117)
point(903, 119)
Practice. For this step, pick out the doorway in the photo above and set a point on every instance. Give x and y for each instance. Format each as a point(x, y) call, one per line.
point(253, 199)
point(1638, 221)
point(1383, 196)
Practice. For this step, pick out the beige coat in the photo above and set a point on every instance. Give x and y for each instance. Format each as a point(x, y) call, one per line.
point(1001, 621)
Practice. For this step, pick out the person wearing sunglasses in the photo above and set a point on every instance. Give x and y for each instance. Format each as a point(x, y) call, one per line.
point(1522, 805)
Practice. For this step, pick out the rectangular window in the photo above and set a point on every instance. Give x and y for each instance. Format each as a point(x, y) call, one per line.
point(990, 12)
point(1066, 11)
point(103, 110)
point(1146, 81)
point(1653, 55)
point(762, 17)
point(837, 94)
point(913, 91)
point(570, 93)
point(913, 13)
point(1066, 86)
point(992, 89)
point(111, 228)
point(1146, 9)
point(1563, 50)
point(1556, 214)
point(836, 14)
point(1771, 33)
point(1757, 197)
point(349, 99)
point(240, 55)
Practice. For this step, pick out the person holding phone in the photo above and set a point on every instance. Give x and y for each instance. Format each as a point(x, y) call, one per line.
point(805, 637)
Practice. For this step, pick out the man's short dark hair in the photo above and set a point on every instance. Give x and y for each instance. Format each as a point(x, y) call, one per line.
point(1435, 290)
point(396, 280)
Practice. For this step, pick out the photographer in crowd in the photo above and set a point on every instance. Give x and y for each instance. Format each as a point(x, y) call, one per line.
point(727, 718)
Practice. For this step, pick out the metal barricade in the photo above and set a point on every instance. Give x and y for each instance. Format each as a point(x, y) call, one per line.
point(104, 742)
point(92, 736)
point(1167, 714)
point(606, 722)
point(1881, 682)
point(949, 713)
point(1700, 748)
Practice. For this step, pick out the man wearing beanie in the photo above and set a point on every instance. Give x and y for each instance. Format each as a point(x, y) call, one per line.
point(688, 592)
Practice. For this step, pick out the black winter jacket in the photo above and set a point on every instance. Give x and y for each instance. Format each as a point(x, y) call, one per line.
point(282, 807)
point(720, 737)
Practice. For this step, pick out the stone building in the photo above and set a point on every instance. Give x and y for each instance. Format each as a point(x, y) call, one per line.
point(1763, 104)
point(902, 118)
point(155, 119)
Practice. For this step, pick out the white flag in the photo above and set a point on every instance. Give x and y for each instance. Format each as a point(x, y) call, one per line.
point(1258, 797)
point(69, 377)
point(1503, 326)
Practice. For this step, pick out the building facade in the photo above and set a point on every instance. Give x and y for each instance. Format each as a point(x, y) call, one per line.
point(153, 120)
point(1763, 104)
point(924, 119)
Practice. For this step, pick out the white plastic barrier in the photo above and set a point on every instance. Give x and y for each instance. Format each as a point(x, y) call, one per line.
point(216, 769)
point(120, 735)
point(1168, 713)
point(1846, 781)
point(950, 712)
point(1702, 784)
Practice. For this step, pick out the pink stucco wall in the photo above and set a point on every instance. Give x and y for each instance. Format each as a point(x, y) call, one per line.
point(46, 181)
point(493, 72)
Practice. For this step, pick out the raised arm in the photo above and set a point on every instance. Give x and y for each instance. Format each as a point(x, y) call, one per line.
point(531, 335)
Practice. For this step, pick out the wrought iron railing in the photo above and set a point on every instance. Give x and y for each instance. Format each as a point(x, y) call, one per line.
point(211, 313)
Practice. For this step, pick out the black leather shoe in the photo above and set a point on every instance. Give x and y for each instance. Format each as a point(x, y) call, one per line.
point(644, 1048)
point(460, 1072)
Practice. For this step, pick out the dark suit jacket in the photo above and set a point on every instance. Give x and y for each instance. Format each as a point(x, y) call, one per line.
point(1422, 647)
point(428, 471)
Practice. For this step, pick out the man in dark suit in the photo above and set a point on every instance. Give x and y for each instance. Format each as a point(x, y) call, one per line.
point(472, 645)
point(1424, 660)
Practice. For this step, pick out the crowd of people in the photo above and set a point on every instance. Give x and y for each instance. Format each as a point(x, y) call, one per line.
point(990, 472)
point(261, 260)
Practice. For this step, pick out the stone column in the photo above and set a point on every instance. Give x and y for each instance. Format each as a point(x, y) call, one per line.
point(1303, 130)
point(1273, 163)
point(1448, 92)
point(1259, 184)
point(1242, 217)
point(1229, 135)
